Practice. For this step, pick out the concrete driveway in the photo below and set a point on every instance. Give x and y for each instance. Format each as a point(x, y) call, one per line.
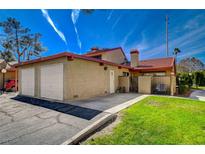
point(25, 120)
point(198, 94)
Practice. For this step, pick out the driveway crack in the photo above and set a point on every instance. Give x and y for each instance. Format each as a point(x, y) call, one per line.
point(60, 122)
point(27, 133)
point(7, 114)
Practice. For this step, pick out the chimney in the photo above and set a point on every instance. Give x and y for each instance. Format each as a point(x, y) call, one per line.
point(134, 54)
point(93, 49)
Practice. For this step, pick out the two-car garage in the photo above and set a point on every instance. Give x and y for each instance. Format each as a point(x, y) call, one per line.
point(51, 81)
point(68, 77)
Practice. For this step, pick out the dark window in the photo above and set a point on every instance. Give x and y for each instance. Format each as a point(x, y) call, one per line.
point(98, 57)
point(125, 74)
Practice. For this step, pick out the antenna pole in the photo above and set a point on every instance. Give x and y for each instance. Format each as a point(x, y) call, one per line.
point(167, 47)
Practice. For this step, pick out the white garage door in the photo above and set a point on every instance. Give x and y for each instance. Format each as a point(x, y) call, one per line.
point(27, 81)
point(52, 81)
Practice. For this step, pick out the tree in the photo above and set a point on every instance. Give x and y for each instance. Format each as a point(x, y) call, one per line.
point(7, 56)
point(197, 78)
point(176, 52)
point(19, 41)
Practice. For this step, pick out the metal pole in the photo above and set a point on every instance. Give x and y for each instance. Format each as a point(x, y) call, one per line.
point(167, 47)
point(3, 82)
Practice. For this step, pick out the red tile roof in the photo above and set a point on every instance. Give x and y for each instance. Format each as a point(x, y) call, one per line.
point(155, 64)
point(101, 51)
point(70, 56)
point(159, 64)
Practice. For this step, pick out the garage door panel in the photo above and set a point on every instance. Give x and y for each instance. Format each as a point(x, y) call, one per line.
point(27, 81)
point(52, 81)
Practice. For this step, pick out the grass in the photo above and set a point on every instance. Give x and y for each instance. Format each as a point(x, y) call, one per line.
point(199, 87)
point(159, 120)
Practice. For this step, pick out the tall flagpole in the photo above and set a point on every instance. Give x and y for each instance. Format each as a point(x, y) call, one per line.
point(167, 46)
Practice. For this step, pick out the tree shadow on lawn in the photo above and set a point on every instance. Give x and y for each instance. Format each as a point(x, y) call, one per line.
point(81, 112)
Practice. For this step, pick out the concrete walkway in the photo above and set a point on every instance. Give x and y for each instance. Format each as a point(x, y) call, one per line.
point(198, 94)
point(33, 121)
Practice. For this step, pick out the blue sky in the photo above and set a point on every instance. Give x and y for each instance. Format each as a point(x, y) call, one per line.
point(75, 31)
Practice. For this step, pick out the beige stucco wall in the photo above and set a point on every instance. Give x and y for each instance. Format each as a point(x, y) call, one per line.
point(173, 85)
point(82, 79)
point(88, 79)
point(144, 84)
point(124, 81)
point(169, 79)
point(116, 56)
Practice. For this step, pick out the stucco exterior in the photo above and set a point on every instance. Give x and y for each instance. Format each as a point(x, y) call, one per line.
point(144, 84)
point(116, 56)
point(124, 81)
point(81, 79)
point(90, 75)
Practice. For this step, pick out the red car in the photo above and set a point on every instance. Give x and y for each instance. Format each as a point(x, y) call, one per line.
point(10, 85)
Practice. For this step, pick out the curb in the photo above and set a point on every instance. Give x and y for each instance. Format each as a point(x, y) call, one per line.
point(111, 114)
point(125, 105)
point(88, 130)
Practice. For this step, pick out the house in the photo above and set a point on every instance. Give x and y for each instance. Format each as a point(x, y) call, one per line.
point(115, 55)
point(153, 75)
point(68, 76)
point(10, 73)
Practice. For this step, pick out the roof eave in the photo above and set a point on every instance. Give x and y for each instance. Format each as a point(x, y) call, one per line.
point(152, 69)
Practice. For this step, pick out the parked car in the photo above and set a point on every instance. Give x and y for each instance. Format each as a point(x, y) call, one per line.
point(10, 85)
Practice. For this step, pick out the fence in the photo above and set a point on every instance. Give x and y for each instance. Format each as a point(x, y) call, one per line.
point(161, 85)
point(155, 84)
point(134, 84)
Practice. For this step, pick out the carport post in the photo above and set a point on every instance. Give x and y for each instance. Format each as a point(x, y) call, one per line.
point(3, 71)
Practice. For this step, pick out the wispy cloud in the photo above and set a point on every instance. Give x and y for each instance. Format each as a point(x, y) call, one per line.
point(127, 36)
point(48, 18)
point(74, 16)
point(194, 22)
point(143, 44)
point(116, 22)
point(140, 45)
point(110, 15)
point(185, 42)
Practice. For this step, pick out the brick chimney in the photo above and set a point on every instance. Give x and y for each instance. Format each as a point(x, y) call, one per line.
point(93, 49)
point(134, 54)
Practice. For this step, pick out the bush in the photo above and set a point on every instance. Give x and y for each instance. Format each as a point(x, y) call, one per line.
point(186, 80)
point(199, 78)
point(183, 89)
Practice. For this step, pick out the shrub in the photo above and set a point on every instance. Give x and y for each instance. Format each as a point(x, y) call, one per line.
point(199, 78)
point(183, 89)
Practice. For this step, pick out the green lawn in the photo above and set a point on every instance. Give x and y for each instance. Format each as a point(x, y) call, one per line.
point(159, 120)
point(199, 88)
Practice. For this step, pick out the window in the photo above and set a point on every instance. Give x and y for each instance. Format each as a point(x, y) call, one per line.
point(125, 74)
point(97, 57)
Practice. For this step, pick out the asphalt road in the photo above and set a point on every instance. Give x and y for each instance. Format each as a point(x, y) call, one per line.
point(24, 120)
point(198, 94)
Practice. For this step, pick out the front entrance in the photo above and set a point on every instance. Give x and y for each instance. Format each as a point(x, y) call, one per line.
point(112, 81)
